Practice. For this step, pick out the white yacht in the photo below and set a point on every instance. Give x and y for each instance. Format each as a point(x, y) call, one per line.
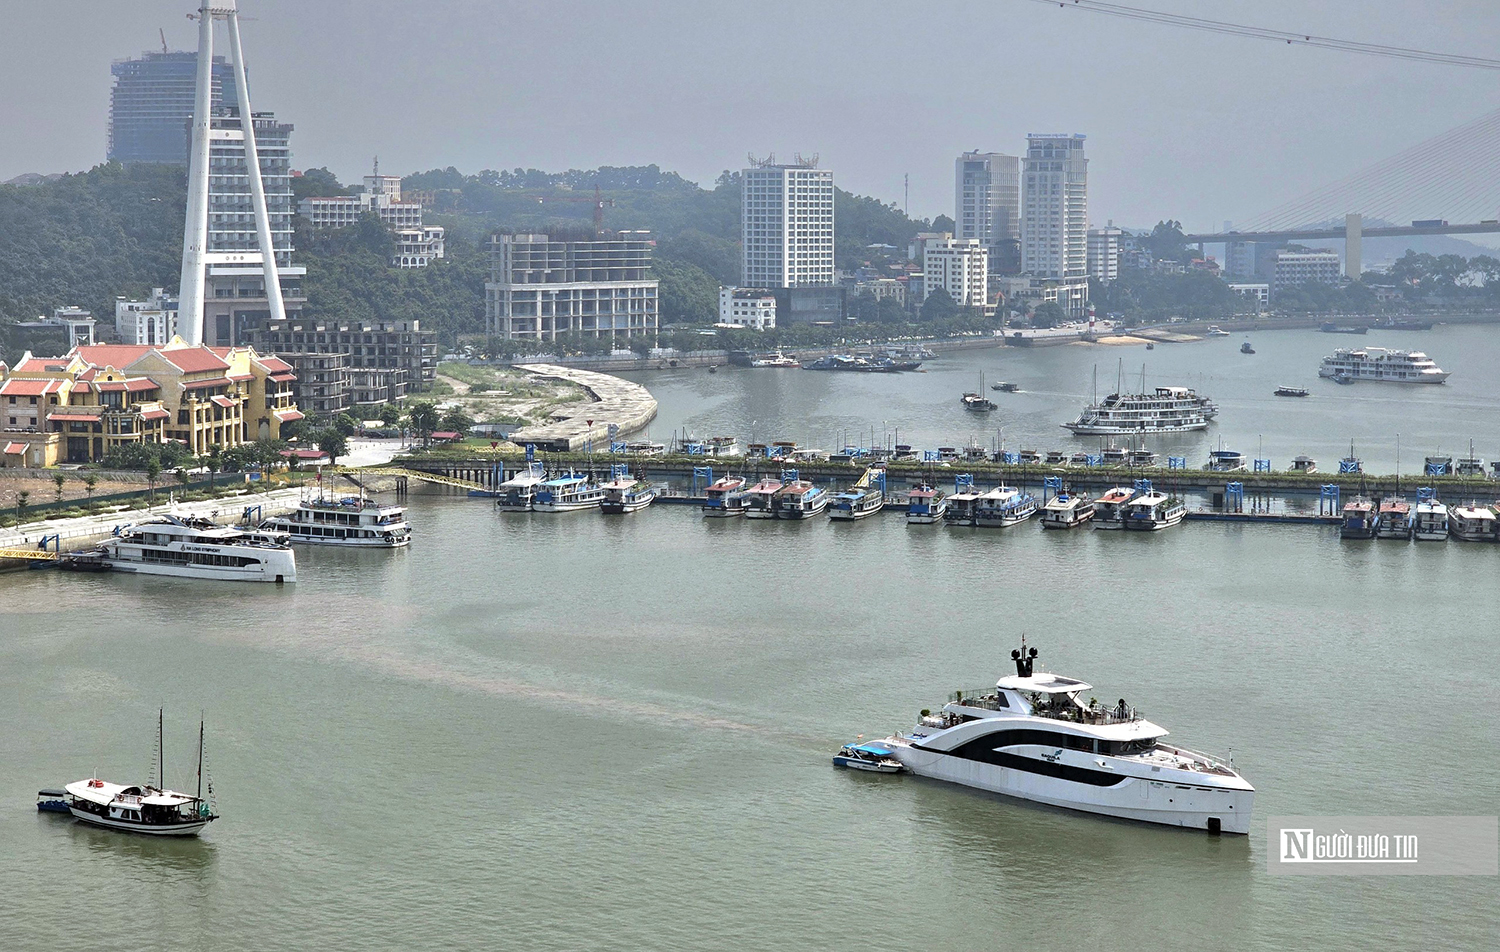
point(1429, 521)
point(1067, 511)
point(1003, 506)
point(1378, 363)
point(725, 498)
point(1109, 509)
point(172, 546)
point(143, 808)
point(322, 519)
point(1167, 410)
point(1033, 736)
point(1152, 511)
point(570, 492)
point(518, 493)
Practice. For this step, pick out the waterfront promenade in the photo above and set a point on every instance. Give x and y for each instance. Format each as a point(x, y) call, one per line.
point(614, 402)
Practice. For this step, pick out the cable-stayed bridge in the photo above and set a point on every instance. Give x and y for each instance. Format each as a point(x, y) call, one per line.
point(1446, 185)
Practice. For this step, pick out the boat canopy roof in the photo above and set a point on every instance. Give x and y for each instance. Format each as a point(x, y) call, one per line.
point(1043, 684)
point(879, 750)
point(105, 793)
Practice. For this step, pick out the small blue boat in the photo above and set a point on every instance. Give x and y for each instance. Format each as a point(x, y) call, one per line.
point(876, 758)
point(52, 801)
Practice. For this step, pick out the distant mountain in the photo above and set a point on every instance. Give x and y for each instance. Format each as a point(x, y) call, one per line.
point(33, 178)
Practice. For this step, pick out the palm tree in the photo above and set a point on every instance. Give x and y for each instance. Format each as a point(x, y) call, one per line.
point(90, 483)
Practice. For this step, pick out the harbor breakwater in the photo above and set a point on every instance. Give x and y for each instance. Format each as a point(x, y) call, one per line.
point(617, 407)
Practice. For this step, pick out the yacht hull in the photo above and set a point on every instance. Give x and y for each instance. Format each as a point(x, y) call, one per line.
point(265, 573)
point(172, 829)
point(1133, 798)
point(923, 518)
point(566, 506)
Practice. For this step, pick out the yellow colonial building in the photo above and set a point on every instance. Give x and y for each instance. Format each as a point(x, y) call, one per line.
point(78, 407)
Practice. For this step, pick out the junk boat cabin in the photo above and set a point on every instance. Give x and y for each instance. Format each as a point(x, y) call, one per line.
point(1033, 736)
point(570, 492)
point(1109, 509)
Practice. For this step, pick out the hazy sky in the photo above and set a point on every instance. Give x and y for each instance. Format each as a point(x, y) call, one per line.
point(1184, 124)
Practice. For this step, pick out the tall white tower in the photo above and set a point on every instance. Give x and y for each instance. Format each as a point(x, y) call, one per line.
point(195, 232)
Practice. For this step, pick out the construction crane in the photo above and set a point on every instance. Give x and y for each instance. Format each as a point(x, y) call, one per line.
point(597, 200)
point(163, 39)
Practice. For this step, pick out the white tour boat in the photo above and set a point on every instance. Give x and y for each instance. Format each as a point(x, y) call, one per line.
point(1378, 363)
point(960, 511)
point(1473, 523)
point(626, 494)
point(169, 545)
point(1167, 410)
point(1067, 511)
point(856, 503)
point(518, 493)
point(1429, 521)
point(760, 499)
point(800, 499)
point(1002, 507)
point(925, 506)
point(725, 498)
point(1393, 520)
point(143, 808)
point(1152, 511)
point(322, 519)
point(1033, 736)
point(570, 492)
point(1109, 509)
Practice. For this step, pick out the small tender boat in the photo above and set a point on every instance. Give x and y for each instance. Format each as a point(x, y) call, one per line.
point(1291, 391)
point(1153, 511)
point(1245, 348)
point(1342, 376)
point(626, 494)
point(1109, 509)
point(50, 800)
point(726, 498)
point(925, 506)
point(1358, 520)
point(1393, 520)
point(875, 758)
point(1006, 386)
point(1067, 511)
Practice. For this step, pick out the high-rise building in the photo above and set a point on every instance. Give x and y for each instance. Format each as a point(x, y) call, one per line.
point(151, 105)
point(384, 359)
point(1305, 267)
point(1104, 253)
point(1054, 207)
point(235, 294)
point(959, 266)
point(543, 289)
point(987, 197)
point(786, 224)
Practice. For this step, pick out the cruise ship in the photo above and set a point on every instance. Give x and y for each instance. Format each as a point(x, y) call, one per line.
point(322, 519)
point(172, 546)
point(1377, 363)
point(1033, 736)
point(1167, 410)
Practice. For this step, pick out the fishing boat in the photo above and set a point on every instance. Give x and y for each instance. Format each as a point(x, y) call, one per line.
point(144, 808)
point(800, 499)
point(1429, 521)
point(1067, 511)
point(1393, 521)
point(518, 493)
point(760, 499)
point(172, 545)
point(1109, 509)
point(925, 506)
point(1291, 391)
point(1002, 507)
point(874, 758)
point(1357, 520)
point(1033, 736)
point(1153, 511)
point(322, 518)
point(1473, 523)
point(570, 492)
point(625, 494)
point(725, 498)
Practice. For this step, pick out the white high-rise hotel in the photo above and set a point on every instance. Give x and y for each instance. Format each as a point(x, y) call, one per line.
point(987, 203)
point(1055, 207)
point(787, 225)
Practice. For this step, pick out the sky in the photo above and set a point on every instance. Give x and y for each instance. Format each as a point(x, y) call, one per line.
point(1187, 125)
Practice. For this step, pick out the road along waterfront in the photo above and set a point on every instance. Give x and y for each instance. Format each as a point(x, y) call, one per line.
point(580, 732)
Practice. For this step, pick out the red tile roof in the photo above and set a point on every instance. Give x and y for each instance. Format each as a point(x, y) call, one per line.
point(75, 417)
point(275, 364)
point(210, 382)
point(37, 365)
point(113, 355)
point(29, 388)
point(224, 401)
point(12, 448)
point(194, 359)
point(286, 416)
point(155, 415)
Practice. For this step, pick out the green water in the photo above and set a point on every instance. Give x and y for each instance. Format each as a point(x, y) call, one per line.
point(573, 732)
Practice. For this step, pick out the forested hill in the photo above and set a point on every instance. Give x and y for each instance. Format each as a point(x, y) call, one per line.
point(85, 238)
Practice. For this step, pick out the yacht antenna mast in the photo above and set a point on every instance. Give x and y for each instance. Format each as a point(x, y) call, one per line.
point(161, 762)
point(200, 756)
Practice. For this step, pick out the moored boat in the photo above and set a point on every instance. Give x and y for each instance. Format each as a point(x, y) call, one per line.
point(1225, 461)
point(960, 511)
point(856, 503)
point(625, 494)
point(1067, 511)
point(872, 758)
point(1153, 511)
point(1393, 521)
point(570, 492)
point(1429, 521)
point(326, 519)
point(1304, 464)
point(1473, 523)
point(800, 499)
point(1032, 736)
point(169, 545)
point(760, 499)
point(518, 493)
point(1357, 521)
point(1002, 507)
point(925, 506)
point(725, 498)
point(1109, 509)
